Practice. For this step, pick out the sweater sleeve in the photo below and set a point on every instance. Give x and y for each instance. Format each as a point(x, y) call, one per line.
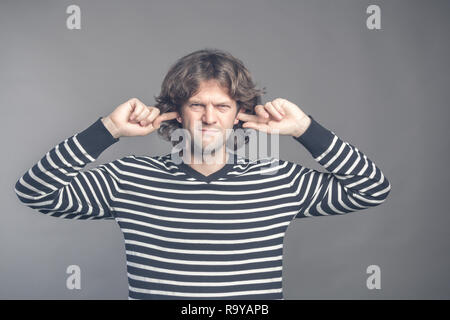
point(353, 182)
point(57, 186)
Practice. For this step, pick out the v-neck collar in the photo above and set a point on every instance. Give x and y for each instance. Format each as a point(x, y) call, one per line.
point(213, 176)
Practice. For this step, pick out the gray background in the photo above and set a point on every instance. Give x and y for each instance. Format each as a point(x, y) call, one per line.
point(385, 91)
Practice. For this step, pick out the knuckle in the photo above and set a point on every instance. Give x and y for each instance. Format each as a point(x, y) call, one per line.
point(153, 114)
point(150, 111)
point(135, 101)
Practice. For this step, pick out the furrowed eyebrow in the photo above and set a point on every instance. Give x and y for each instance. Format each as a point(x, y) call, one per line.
point(220, 103)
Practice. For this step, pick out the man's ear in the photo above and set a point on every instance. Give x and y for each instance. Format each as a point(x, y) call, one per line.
point(179, 116)
point(236, 120)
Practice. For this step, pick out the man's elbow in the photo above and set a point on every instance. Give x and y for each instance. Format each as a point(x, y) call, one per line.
point(383, 194)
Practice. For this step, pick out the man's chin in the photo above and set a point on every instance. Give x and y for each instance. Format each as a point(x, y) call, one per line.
point(209, 147)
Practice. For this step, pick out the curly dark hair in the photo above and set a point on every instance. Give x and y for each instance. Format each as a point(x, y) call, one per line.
point(185, 75)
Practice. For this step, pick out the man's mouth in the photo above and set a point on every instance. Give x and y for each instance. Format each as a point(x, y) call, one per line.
point(209, 131)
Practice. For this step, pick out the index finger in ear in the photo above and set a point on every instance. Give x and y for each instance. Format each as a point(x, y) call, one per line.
point(169, 115)
point(164, 117)
point(247, 117)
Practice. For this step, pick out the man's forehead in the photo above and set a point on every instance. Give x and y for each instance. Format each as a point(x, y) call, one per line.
point(211, 91)
point(207, 97)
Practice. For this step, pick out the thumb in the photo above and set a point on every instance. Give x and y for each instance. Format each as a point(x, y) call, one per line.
point(249, 124)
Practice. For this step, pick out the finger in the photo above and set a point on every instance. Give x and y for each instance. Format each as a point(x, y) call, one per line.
point(277, 104)
point(142, 115)
point(259, 110)
point(247, 117)
point(138, 107)
point(271, 109)
point(249, 124)
point(257, 126)
point(154, 112)
point(133, 102)
point(164, 117)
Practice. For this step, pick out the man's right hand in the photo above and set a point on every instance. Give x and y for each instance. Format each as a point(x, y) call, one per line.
point(134, 118)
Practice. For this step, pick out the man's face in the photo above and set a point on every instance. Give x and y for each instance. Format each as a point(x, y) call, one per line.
point(207, 115)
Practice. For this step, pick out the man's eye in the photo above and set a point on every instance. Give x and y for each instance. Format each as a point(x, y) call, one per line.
point(221, 106)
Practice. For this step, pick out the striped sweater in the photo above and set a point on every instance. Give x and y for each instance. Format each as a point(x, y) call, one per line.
point(190, 236)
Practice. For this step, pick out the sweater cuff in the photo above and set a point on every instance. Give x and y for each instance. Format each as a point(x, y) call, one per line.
point(316, 139)
point(96, 138)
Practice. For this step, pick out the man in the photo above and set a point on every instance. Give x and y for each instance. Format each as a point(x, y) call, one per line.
point(197, 229)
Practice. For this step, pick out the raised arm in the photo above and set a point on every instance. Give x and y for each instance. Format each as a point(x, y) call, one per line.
point(353, 182)
point(56, 184)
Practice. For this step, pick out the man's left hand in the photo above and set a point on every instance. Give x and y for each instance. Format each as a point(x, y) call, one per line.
point(279, 116)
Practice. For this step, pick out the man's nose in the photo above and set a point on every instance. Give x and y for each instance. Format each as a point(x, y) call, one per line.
point(209, 116)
